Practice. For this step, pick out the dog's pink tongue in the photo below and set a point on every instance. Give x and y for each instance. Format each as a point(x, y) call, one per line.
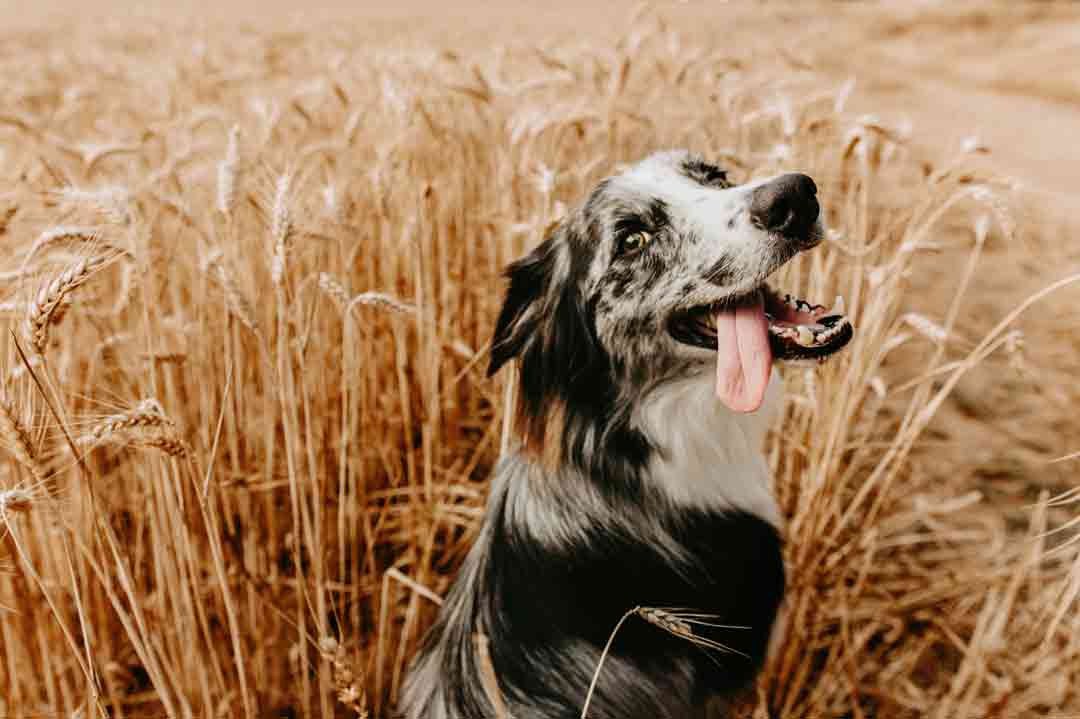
point(743, 357)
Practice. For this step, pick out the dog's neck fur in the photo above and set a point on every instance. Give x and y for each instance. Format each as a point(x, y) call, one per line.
point(708, 457)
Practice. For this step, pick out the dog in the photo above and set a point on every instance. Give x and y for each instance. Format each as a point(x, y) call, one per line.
point(644, 334)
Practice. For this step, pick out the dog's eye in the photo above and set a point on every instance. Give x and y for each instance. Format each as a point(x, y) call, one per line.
point(634, 242)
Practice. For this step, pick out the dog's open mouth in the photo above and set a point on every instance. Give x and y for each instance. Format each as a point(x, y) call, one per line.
point(797, 329)
point(749, 333)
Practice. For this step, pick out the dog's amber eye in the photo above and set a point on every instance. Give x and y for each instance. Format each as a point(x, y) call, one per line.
point(636, 241)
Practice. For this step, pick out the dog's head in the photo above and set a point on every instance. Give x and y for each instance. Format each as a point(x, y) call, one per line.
point(638, 284)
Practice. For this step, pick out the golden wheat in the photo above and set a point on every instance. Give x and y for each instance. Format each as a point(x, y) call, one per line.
point(235, 300)
point(15, 501)
point(42, 311)
point(17, 439)
point(146, 425)
point(229, 174)
point(350, 693)
point(334, 460)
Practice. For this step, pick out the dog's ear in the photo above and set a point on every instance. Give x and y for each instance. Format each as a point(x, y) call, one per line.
point(544, 321)
point(530, 278)
point(546, 324)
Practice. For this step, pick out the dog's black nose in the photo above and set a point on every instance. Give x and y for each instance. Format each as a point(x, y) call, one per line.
point(787, 205)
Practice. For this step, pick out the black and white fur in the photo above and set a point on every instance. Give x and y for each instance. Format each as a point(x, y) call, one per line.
point(631, 483)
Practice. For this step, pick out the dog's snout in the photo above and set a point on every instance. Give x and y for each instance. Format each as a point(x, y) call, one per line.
point(787, 205)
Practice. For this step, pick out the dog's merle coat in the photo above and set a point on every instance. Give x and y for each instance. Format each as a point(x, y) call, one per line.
point(631, 484)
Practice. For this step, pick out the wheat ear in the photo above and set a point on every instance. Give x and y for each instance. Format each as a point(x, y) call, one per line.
point(18, 440)
point(280, 227)
point(333, 288)
point(676, 622)
point(15, 501)
point(41, 310)
point(350, 690)
point(229, 174)
point(145, 425)
point(234, 298)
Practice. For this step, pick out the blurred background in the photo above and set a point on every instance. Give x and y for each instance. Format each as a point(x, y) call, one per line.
point(1003, 72)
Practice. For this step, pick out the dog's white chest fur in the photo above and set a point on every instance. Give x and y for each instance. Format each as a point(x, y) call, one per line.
point(711, 457)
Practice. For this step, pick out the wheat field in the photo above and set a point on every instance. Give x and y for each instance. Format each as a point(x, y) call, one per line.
point(250, 274)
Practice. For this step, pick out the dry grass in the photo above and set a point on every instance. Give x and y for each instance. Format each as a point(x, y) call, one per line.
point(293, 244)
